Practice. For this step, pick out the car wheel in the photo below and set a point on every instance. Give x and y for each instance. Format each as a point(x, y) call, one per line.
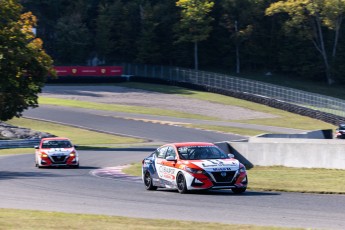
point(239, 190)
point(148, 182)
point(181, 184)
point(75, 166)
point(38, 165)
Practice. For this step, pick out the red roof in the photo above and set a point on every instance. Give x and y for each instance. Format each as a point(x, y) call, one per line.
point(180, 144)
point(54, 138)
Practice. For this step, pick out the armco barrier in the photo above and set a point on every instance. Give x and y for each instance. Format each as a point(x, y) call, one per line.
point(22, 143)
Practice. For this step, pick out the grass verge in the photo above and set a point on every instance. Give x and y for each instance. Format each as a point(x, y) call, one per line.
point(32, 220)
point(285, 119)
point(226, 129)
point(81, 137)
point(119, 108)
point(285, 179)
point(16, 151)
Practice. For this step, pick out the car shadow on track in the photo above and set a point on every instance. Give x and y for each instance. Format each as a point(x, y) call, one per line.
point(225, 193)
point(7, 175)
point(67, 167)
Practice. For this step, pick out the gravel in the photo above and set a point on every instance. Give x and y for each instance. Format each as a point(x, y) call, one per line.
point(8, 132)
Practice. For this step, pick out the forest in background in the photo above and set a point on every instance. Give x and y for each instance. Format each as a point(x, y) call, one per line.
point(300, 38)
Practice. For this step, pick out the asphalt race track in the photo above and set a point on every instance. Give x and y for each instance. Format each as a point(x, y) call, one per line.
point(98, 187)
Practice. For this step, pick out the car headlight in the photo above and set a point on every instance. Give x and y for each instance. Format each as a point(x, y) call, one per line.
point(194, 171)
point(72, 154)
point(242, 169)
point(44, 155)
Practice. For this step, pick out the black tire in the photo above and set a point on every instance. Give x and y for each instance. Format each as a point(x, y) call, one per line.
point(75, 166)
point(239, 190)
point(181, 184)
point(37, 165)
point(148, 182)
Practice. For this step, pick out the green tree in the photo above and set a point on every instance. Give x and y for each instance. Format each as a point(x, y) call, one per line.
point(103, 37)
point(238, 22)
point(73, 36)
point(23, 63)
point(125, 30)
point(311, 18)
point(147, 43)
point(195, 23)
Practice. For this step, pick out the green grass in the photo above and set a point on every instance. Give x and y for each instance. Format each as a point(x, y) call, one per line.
point(78, 136)
point(226, 129)
point(310, 180)
point(16, 151)
point(33, 220)
point(285, 179)
point(119, 108)
point(285, 119)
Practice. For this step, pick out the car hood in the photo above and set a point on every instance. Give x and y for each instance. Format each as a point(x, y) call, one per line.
point(214, 165)
point(59, 151)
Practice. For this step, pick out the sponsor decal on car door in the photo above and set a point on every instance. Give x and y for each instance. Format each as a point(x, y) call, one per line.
point(165, 169)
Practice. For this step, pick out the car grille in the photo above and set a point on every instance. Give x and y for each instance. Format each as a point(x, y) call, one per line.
point(226, 178)
point(59, 159)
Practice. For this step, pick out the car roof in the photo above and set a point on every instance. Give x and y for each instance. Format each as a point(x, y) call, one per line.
point(55, 139)
point(186, 144)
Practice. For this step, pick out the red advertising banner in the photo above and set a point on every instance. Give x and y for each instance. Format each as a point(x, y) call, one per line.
point(88, 70)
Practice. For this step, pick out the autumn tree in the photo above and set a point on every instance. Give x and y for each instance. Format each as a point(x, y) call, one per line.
point(311, 18)
point(23, 63)
point(195, 23)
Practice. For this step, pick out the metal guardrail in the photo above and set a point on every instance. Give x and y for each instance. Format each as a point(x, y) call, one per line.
point(226, 82)
point(22, 143)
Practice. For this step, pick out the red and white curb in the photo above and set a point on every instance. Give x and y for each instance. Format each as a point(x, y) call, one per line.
point(115, 173)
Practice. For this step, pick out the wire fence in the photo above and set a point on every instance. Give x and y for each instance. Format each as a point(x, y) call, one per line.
point(226, 82)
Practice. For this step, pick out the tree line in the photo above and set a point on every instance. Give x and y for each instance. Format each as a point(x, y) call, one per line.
point(298, 37)
point(304, 38)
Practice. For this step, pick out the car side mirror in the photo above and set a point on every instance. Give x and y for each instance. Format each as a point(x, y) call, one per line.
point(36, 146)
point(75, 146)
point(231, 155)
point(170, 158)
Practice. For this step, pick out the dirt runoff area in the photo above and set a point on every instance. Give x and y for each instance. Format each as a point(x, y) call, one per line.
point(128, 96)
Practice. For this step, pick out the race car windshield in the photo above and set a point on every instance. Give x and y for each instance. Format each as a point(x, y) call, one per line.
point(201, 153)
point(56, 144)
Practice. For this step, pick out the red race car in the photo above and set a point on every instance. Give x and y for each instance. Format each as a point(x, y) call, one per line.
point(193, 166)
point(56, 151)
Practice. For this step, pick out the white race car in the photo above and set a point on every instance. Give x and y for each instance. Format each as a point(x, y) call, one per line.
point(56, 151)
point(193, 166)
